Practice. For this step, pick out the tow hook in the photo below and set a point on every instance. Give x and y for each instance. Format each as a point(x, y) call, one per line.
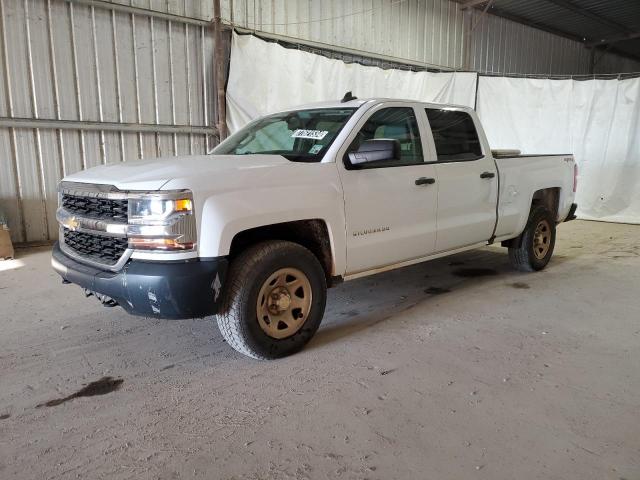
point(105, 300)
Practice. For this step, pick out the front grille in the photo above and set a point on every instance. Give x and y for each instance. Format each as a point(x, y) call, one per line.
point(99, 248)
point(95, 207)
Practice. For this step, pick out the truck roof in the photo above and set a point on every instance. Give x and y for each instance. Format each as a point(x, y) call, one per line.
point(373, 100)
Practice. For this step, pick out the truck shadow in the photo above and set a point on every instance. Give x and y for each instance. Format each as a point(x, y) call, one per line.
point(361, 304)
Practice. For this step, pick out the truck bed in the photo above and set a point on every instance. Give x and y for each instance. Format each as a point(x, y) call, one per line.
point(520, 177)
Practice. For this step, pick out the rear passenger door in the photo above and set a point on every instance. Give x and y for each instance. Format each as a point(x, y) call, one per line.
point(467, 180)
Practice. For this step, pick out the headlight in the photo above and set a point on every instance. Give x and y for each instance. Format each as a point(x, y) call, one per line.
point(162, 222)
point(157, 211)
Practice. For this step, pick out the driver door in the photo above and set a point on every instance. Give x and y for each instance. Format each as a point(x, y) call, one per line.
point(390, 206)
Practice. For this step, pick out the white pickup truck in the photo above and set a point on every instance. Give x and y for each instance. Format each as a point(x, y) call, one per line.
point(296, 202)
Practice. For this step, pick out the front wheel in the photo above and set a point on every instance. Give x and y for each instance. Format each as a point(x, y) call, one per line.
point(537, 243)
point(274, 301)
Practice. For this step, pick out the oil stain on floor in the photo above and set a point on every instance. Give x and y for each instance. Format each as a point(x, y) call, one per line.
point(436, 290)
point(474, 272)
point(100, 387)
point(520, 285)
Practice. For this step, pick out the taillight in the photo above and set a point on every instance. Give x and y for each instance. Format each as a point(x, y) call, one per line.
point(575, 177)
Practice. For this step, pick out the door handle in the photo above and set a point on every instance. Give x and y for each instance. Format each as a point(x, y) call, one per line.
point(487, 175)
point(425, 181)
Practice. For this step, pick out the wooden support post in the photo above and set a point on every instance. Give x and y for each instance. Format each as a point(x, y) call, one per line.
point(221, 106)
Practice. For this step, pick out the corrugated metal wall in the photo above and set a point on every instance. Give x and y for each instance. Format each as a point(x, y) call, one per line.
point(414, 31)
point(502, 46)
point(425, 32)
point(609, 63)
point(85, 82)
point(82, 85)
point(196, 9)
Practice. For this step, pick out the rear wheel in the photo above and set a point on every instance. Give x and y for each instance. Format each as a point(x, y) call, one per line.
point(274, 300)
point(537, 242)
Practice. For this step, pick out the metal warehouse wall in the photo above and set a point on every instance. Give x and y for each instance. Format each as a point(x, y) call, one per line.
point(82, 84)
point(412, 31)
point(195, 9)
point(432, 33)
point(616, 64)
point(502, 46)
point(85, 82)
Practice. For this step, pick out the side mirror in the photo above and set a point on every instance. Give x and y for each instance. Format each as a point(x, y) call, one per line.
point(376, 150)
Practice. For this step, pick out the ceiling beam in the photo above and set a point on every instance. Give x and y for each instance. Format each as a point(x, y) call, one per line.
point(471, 3)
point(613, 39)
point(546, 28)
point(567, 5)
point(518, 19)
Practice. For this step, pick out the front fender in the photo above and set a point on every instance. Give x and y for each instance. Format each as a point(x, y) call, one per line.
point(227, 214)
point(256, 196)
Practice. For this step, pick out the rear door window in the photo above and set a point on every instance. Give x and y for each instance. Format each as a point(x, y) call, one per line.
point(454, 135)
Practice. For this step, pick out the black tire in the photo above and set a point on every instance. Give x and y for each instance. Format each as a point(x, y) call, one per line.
point(528, 256)
point(248, 272)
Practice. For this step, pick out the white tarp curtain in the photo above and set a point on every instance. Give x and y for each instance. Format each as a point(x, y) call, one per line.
point(596, 120)
point(265, 77)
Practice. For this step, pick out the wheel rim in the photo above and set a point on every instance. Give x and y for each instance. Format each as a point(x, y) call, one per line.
point(542, 239)
point(284, 302)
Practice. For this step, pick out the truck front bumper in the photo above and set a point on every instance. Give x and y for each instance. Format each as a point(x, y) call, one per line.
point(181, 289)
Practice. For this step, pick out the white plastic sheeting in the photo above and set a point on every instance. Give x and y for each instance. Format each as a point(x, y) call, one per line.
point(265, 77)
point(596, 120)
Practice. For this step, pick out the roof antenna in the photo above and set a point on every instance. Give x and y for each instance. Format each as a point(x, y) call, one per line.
point(348, 97)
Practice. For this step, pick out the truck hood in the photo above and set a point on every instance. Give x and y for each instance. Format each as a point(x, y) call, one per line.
point(153, 174)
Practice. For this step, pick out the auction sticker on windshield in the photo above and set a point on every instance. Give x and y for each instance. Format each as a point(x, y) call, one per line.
point(313, 134)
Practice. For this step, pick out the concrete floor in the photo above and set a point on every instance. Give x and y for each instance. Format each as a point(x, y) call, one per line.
point(454, 369)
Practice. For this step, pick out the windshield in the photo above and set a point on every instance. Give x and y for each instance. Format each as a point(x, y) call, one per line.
point(300, 136)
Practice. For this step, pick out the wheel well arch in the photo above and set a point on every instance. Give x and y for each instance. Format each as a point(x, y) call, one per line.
point(548, 197)
point(312, 234)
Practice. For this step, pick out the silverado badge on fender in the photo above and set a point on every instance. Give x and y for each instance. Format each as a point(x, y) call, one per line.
point(370, 230)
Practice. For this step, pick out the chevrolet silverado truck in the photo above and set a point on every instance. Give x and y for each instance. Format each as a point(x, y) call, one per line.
point(295, 202)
